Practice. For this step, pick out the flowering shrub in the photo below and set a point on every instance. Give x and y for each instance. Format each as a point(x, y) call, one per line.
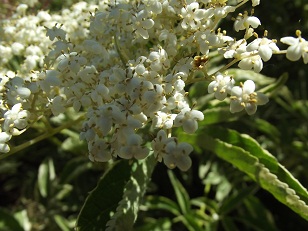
point(125, 73)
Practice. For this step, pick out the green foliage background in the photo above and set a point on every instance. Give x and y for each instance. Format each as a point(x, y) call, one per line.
point(46, 185)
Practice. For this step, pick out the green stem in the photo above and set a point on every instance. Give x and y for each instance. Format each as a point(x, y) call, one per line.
point(123, 56)
point(225, 67)
point(46, 135)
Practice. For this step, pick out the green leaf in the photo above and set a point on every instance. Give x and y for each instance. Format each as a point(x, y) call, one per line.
point(62, 223)
point(217, 115)
point(8, 222)
point(23, 219)
point(267, 128)
point(228, 224)
point(258, 78)
point(248, 156)
point(155, 224)
point(245, 153)
point(180, 192)
point(46, 174)
point(127, 211)
point(264, 157)
point(164, 203)
point(74, 168)
point(233, 201)
point(257, 214)
point(104, 199)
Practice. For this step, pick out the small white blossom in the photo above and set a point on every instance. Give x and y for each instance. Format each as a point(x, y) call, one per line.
point(188, 119)
point(234, 49)
point(298, 47)
point(246, 97)
point(264, 46)
point(177, 155)
point(99, 151)
point(15, 119)
point(255, 2)
point(159, 144)
point(253, 62)
point(221, 86)
point(192, 16)
point(55, 32)
point(141, 24)
point(133, 148)
point(243, 22)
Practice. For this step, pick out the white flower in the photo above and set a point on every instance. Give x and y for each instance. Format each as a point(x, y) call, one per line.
point(163, 120)
point(4, 148)
point(298, 47)
point(99, 151)
point(221, 86)
point(133, 148)
point(234, 49)
point(57, 105)
point(264, 46)
point(255, 2)
point(188, 119)
point(159, 60)
point(251, 62)
point(246, 97)
point(159, 144)
point(192, 16)
point(55, 32)
point(243, 22)
point(141, 24)
point(16, 119)
point(177, 155)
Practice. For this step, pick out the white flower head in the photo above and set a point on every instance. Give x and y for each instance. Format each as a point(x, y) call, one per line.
point(246, 97)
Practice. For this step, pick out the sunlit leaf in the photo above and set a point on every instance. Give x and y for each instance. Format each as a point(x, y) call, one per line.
point(128, 208)
point(180, 192)
point(8, 222)
point(46, 174)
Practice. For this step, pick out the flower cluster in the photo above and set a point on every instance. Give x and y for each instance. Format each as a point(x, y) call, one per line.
point(126, 66)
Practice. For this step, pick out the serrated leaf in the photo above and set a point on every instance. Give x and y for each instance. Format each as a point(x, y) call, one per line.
point(104, 199)
point(127, 211)
point(258, 165)
point(264, 157)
